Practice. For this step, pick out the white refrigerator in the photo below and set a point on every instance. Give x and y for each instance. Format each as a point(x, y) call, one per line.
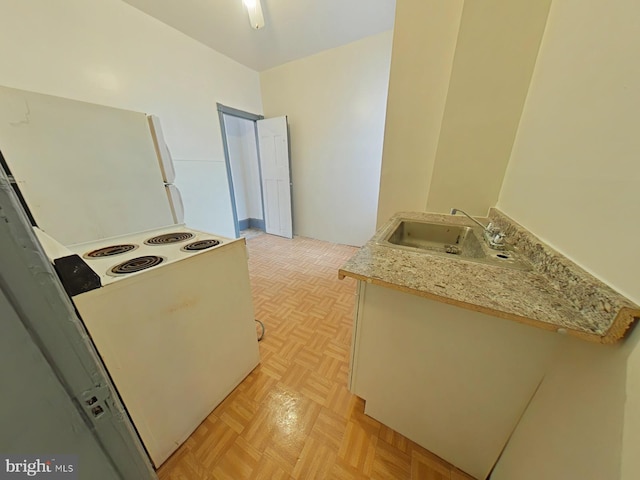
point(86, 171)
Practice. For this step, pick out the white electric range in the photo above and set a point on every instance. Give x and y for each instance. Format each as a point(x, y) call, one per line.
point(173, 321)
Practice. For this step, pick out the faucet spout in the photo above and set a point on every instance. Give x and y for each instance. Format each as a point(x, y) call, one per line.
point(456, 210)
point(493, 236)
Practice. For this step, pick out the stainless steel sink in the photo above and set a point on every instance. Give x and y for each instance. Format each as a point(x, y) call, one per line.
point(451, 240)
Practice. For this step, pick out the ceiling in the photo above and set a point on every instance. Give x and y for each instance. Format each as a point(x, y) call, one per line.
point(293, 28)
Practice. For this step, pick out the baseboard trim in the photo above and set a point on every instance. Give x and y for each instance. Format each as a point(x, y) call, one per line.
point(251, 223)
point(256, 223)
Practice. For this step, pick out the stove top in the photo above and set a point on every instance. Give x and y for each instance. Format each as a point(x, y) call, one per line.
point(120, 257)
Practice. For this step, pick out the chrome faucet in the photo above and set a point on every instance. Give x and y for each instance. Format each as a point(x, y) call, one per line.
point(493, 235)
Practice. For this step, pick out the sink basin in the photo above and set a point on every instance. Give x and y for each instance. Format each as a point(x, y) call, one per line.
point(451, 240)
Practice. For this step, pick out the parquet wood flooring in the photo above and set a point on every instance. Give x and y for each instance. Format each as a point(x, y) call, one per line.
point(293, 416)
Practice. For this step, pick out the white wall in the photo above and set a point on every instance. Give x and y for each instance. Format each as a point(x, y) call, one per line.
point(424, 43)
point(572, 180)
point(253, 190)
point(234, 130)
point(335, 102)
point(243, 156)
point(574, 174)
point(107, 52)
point(460, 71)
point(495, 55)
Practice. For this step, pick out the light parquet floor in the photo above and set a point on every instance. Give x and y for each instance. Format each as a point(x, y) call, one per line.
point(293, 416)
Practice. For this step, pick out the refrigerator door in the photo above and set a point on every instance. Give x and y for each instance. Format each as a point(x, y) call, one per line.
point(86, 171)
point(162, 150)
point(175, 202)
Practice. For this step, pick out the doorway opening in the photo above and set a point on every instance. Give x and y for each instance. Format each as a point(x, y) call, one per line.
point(256, 154)
point(240, 141)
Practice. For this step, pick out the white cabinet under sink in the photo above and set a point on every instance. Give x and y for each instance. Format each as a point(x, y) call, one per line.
point(454, 381)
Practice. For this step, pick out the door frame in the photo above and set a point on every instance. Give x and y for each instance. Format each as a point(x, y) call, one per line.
point(234, 112)
point(32, 287)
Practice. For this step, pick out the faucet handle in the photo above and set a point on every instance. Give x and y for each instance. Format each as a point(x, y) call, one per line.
point(494, 237)
point(498, 238)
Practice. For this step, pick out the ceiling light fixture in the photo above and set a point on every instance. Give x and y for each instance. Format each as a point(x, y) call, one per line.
point(255, 13)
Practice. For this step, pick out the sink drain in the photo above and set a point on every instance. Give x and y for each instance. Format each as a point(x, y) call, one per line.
point(452, 249)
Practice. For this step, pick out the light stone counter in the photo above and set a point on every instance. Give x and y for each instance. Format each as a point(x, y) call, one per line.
point(556, 295)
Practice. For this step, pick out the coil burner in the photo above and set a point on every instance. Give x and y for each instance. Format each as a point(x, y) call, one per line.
point(166, 238)
point(136, 264)
point(110, 251)
point(201, 245)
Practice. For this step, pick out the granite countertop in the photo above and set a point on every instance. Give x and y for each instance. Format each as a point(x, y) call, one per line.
point(555, 295)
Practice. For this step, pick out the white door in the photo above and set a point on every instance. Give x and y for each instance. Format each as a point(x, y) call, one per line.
point(273, 144)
